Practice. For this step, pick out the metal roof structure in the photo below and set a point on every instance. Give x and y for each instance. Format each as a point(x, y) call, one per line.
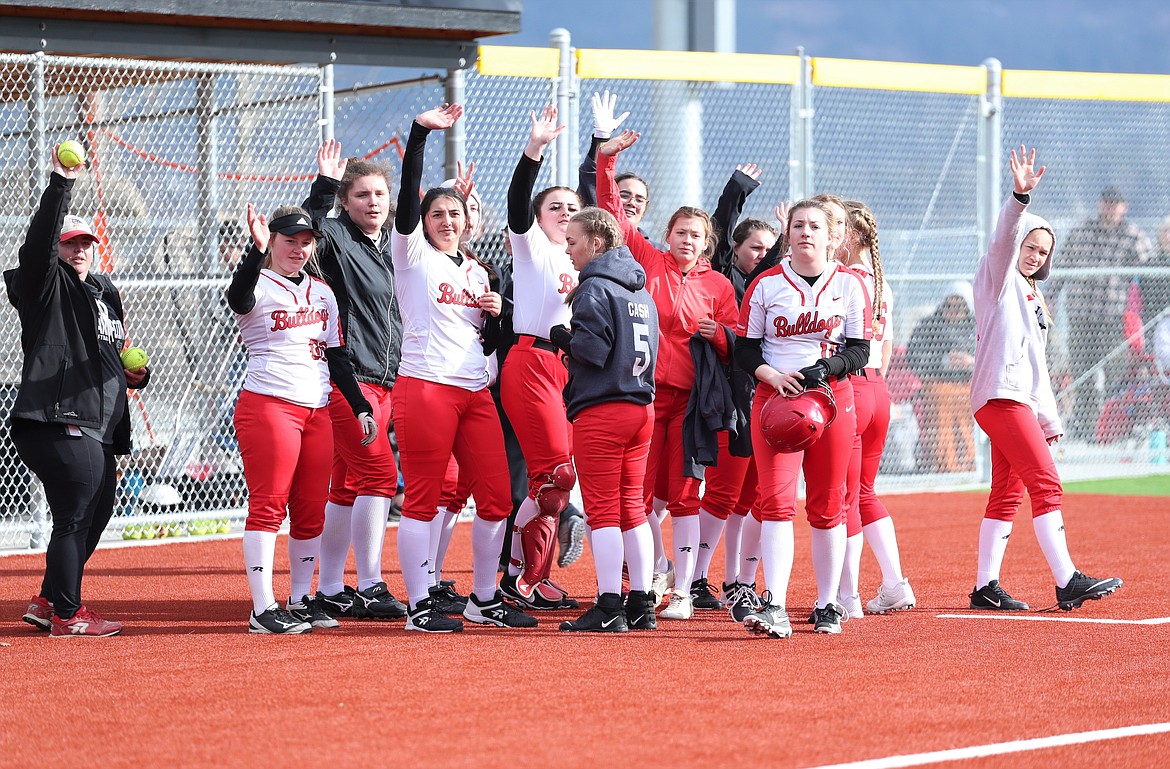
point(406, 33)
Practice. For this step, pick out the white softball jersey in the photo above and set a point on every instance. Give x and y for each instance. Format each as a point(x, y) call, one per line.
point(441, 317)
point(287, 333)
point(542, 276)
point(799, 323)
point(875, 347)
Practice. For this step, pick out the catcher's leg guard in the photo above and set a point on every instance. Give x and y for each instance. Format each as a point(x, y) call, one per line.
point(538, 538)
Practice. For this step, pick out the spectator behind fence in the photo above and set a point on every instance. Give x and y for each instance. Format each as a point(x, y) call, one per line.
point(942, 353)
point(1156, 301)
point(1094, 305)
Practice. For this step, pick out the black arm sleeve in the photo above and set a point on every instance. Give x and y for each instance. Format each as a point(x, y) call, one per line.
point(241, 293)
point(409, 212)
point(749, 353)
point(587, 174)
point(726, 216)
point(38, 253)
point(520, 217)
point(852, 357)
point(341, 372)
point(322, 198)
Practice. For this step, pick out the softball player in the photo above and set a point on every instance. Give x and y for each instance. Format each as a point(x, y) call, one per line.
point(354, 253)
point(533, 377)
point(441, 404)
point(611, 354)
point(866, 513)
point(1011, 396)
point(802, 323)
point(690, 297)
point(289, 324)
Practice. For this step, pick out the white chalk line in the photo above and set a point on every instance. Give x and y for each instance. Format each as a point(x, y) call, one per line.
point(1038, 618)
point(1002, 748)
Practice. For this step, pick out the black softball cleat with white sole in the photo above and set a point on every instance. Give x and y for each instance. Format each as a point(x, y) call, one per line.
point(1083, 588)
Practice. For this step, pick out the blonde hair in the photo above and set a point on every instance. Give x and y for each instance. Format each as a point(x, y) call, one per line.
point(835, 200)
point(312, 266)
point(601, 225)
point(820, 205)
point(864, 224)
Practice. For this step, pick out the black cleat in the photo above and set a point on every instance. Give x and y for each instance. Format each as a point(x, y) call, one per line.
point(605, 616)
point(1083, 588)
point(446, 599)
point(741, 600)
point(703, 596)
point(829, 619)
point(995, 598)
point(496, 612)
point(277, 621)
point(376, 602)
point(425, 617)
point(338, 604)
point(640, 610)
point(309, 610)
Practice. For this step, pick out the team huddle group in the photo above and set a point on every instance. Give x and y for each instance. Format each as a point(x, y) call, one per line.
point(732, 354)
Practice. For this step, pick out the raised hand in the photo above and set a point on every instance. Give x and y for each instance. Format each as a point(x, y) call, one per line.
point(1024, 171)
point(622, 141)
point(440, 118)
point(750, 170)
point(781, 213)
point(544, 128)
point(463, 183)
point(60, 169)
point(258, 226)
point(330, 163)
point(604, 123)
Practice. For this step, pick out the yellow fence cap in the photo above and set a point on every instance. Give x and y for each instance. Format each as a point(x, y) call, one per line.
point(1038, 84)
point(898, 76)
point(687, 65)
point(515, 61)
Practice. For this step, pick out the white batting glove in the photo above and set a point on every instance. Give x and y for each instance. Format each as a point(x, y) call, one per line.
point(369, 428)
point(604, 123)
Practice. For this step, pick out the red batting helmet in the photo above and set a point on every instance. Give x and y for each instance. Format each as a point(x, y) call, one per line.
point(792, 423)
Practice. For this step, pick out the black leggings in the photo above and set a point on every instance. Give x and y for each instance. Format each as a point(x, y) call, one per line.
point(79, 480)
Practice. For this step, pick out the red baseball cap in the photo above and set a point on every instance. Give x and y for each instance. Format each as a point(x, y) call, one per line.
point(74, 226)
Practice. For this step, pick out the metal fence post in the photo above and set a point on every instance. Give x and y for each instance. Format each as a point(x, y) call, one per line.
point(325, 122)
point(455, 141)
point(800, 145)
point(987, 187)
point(207, 150)
point(563, 88)
point(38, 145)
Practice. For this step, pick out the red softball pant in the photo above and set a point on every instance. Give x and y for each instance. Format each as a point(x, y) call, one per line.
point(435, 421)
point(825, 465)
point(873, 423)
point(532, 385)
point(666, 453)
point(1020, 459)
point(611, 445)
point(366, 471)
point(285, 449)
point(726, 487)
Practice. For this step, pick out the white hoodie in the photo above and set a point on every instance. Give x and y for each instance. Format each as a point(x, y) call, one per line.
point(1011, 324)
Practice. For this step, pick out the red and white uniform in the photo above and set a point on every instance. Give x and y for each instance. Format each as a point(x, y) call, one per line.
point(441, 403)
point(799, 324)
point(533, 378)
point(285, 434)
point(873, 417)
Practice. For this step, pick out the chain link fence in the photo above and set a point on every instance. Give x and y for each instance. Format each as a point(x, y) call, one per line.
point(176, 150)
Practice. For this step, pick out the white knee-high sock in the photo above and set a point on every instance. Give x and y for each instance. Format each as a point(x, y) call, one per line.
point(487, 538)
point(639, 553)
point(710, 530)
point(302, 563)
point(1050, 534)
point(750, 537)
point(993, 542)
point(731, 548)
point(448, 530)
point(851, 566)
point(828, 557)
point(660, 560)
point(434, 536)
point(414, 556)
point(335, 541)
point(777, 546)
point(369, 534)
point(685, 541)
point(608, 550)
point(259, 553)
point(528, 510)
point(882, 540)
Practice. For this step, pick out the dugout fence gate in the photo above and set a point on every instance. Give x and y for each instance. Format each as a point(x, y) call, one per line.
point(177, 149)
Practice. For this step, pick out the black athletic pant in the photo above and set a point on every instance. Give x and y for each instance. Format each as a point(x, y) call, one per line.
point(79, 480)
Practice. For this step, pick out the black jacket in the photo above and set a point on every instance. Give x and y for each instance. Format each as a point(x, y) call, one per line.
point(710, 409)
point(61, 378)
point(361, 275)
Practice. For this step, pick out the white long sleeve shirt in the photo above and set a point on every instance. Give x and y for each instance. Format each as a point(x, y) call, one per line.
point(1011, 324)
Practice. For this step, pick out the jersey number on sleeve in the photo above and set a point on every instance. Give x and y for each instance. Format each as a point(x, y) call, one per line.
point(642, 347)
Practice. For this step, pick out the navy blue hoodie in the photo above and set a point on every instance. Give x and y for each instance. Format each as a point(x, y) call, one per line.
point(615, 334)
